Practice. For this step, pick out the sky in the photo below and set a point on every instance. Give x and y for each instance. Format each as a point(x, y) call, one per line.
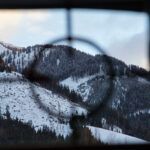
point(121, 34)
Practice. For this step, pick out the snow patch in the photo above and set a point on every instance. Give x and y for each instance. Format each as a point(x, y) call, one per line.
point(143, 111)
point(142, 80)
point(73, 84)
point(110, 137)
point(102, 73)
point(58, 62)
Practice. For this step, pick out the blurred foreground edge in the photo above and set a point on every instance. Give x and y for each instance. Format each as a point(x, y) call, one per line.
point(108, 147)
point(133, 5)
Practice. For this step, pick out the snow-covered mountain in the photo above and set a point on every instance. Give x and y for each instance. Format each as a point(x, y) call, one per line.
point(16, 93)
point(92, 88)
point(75, 84)
point(17, 96)
point(86, 75)
point(129, 101)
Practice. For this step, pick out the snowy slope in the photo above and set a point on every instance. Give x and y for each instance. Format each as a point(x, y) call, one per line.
point(15, 92)
point(22, 57)
point(19, 58)
point(79, 85)
point(110, 137)
point(142, 80)
point(73, 84)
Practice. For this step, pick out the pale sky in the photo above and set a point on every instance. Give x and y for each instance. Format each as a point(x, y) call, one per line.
point(121, 34)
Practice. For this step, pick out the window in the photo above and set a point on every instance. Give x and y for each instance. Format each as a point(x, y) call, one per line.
point(97, 95)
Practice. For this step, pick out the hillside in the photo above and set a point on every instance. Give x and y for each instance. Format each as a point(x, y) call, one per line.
point(59, 61)
point(77, 83)
point(16, 94)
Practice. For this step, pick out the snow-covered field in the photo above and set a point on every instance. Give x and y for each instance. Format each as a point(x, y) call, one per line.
point(110, 137)
point(18, 97)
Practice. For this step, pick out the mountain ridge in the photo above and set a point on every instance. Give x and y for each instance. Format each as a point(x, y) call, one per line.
point(90, 77)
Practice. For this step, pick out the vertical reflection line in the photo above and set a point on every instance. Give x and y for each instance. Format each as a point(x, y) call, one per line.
point(149, 40)
point(69, 42)
point(69, 26)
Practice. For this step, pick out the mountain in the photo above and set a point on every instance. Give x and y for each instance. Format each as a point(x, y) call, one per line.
point(59, 61)
point(67, 79)
point(16, 93)
point(16, 96)
point(129, 106)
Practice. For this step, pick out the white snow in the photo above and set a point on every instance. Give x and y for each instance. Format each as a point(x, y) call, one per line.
point(58, 62)
point(74, 83)
point(142, 80)
point(17, 95)
point(84, 91)
point(103, 121)
point(143, 111)
point(79, 85)
point(101, 70)
point(19, 56)
point(23, 105)
point(110, 137)
point(116, 129)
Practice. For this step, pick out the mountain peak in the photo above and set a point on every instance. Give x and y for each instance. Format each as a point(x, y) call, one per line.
point(11, 46)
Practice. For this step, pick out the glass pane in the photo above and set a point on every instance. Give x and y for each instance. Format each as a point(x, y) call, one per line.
point(121, 33)
point(93, 90)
